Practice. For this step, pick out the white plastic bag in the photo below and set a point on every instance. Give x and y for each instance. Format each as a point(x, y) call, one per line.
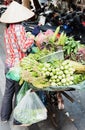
point(30, 110)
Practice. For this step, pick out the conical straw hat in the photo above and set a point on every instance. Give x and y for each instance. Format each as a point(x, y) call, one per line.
point(16, 13)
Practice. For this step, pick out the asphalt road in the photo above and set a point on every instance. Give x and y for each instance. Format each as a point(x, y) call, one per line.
point(71, 118)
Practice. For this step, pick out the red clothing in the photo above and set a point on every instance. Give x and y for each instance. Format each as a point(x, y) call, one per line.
point(7, 2)
point(16, 44)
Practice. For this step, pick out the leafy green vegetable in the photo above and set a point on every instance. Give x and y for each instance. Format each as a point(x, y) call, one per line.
point(29, 116)
point(71, 46)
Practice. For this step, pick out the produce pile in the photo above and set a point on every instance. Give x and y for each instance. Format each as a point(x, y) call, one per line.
point(55, 73)
point(65, 72)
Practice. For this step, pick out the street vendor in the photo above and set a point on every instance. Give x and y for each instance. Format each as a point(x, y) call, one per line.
point(16, 44)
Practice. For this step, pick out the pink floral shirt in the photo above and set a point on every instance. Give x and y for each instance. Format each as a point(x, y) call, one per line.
point(16, 44)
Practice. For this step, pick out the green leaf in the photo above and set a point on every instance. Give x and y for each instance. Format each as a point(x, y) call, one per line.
point(68, 51)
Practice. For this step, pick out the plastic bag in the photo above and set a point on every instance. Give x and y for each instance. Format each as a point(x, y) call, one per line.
point(22, 91)
point(14, 73)
point(30, 110)
point(51, 57)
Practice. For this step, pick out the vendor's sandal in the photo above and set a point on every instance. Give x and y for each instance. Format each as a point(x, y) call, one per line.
point(4, 121)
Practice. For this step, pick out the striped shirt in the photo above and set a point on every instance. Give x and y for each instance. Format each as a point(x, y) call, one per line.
point(16, 44)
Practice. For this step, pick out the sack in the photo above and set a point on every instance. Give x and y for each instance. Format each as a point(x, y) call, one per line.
point(22, 91)
point(30, 110)
point(14, 73)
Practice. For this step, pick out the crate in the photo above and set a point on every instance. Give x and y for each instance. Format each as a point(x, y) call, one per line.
point(59, 55)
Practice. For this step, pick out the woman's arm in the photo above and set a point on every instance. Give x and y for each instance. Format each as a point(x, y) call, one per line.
point(22, 39)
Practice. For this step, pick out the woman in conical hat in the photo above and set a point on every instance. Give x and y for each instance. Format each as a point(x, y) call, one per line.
point(16, 13)
point(16, 44)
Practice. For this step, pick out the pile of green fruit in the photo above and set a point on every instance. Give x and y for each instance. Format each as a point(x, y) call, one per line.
point(54, 73)
point(60, 74)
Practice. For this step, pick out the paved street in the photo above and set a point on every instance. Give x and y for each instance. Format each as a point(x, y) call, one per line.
point(72, 118)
